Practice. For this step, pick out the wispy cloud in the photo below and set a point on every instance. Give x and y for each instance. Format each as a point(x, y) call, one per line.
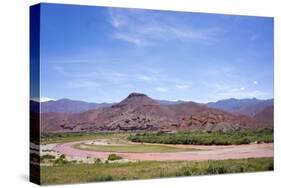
point(140, 28)
point(108, 74)
point(241, 89)
point(131, 38)
point(182, 86)
point(89, 79)
point(255, 82)
point(157, 78)
point(146, 78)
point(161, 89)
point(222, 91)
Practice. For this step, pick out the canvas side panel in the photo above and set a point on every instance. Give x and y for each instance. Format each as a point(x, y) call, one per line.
point(34, 94)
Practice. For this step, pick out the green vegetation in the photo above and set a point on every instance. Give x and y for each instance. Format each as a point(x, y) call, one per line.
point(205, 138)
point(61, 160)
point(134, 148)
point(78, 173)
point(113, 157)
point(98, 160)
point(47, 158)
point(202, 138)
point(67, 171)
point(69, 137)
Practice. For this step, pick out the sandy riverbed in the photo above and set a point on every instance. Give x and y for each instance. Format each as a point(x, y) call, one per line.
point(205, 153)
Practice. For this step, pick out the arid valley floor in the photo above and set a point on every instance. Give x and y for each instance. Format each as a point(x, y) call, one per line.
point(142, 138)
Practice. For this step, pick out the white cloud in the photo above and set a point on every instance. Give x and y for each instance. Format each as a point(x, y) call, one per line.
point(255, 82)
point(182, 86)
point(145, 78)
point(223, 91)
point(130, 38)
point(161, 89)
point(237, 89)
point(140, 28)
point(154, 70)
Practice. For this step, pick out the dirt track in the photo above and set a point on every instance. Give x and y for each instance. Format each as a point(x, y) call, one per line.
point(205, 153)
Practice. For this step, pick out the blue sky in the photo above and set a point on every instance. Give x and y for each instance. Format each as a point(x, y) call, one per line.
point(100, 54)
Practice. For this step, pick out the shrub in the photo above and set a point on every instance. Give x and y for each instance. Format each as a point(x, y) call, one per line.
point(62, 156)
point(61, 160)
point(97, 160)
point(113, 157)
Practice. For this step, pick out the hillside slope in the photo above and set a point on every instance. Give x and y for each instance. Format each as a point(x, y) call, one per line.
point(70, 106)
point(139, 112)
point(248, 107)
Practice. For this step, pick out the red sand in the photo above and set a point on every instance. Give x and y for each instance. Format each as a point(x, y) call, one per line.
point(206, 153)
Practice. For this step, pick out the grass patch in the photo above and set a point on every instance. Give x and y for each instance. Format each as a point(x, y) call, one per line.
point(133, 148)
point(69, 137)
point(204, 138)
point(79, 173)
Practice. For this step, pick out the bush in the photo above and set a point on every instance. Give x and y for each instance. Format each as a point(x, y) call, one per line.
point(113, 157)
point(62, 156)
point(47, 157)
point(97, 160)
point(61, 160)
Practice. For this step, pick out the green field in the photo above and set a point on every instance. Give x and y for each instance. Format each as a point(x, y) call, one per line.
point(79, 173)
point(71, 137)
point(135, 148)
point(205, 138)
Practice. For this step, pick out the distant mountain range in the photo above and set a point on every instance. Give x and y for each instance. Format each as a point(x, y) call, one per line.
point(139, 112)
point(242, 106)
point(70, 106)
point(248, 107)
